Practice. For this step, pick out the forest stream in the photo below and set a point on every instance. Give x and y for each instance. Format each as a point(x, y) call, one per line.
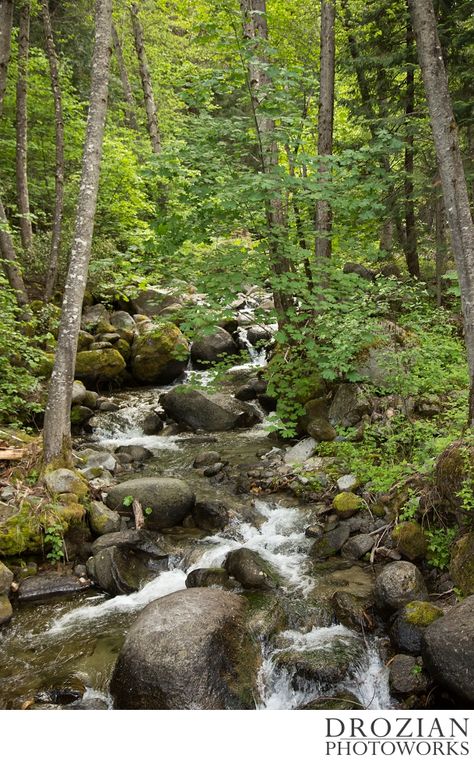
point(74, 644)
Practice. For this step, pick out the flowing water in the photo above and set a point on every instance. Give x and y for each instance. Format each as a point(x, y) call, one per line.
point(64, 643)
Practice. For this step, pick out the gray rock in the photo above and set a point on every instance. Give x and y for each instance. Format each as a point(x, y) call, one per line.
point(121, 570)
point(212, 577)
point(50, 585)
point(336, 659)
point(152, 424)
point(153, 300)
point(261, 335)
point(102, 519)
point(78, 393)
point(399, 583)
point(207, 458)
point(188, 650)
point(6, 578)
point(214, 469)
point(248, 568)
point(93, 459)
point(210, 515)
point(212, 348)
point(93, 317)
point(331, 542)
point(65, 480)
point(301, 451)
point(136, 452)
point(165, 501)
point(139, 540)
point(347, 483)
point(407, 676)
point(358, 546)
point(211, 412)
point(448, 649)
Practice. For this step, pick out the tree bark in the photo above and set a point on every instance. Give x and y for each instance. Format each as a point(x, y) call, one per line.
point(59, 168)
point(26, 229)
point(440, 248)
point(149, 98)
point(57, 423)
point(411, 247)
point(255, 30)
point(326, 122)
point(451, 170)
point(126, 87)
point(7, 247)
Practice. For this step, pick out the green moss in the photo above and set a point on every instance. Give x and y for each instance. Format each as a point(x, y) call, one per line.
point(45, 365)
point(99, 364)
point(265, 614)
point(156, 350)
point(346, 504)
point(421, 613)
point(123, 347)
point(461, 567)
point(411, 540)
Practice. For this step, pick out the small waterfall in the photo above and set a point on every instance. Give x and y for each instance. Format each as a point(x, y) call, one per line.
point(258, 357)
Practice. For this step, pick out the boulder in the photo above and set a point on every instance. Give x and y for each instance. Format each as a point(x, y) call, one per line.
point(166, 502)
point(211, 577)
point(98, 459)
point(6, 611)
point(399, 583)
point(461, 568)
point(358, 546)
point(159, 354)
point(265, 614)
point(206, 458)
point(51, 585)
point(211, 348)
point(349, 406)
point(152, 300)
point(250, 569)
point(124, 324)
point(410, 623)
point(336, 657)
point(410, 540)
point(354, 611)
point(210, 515)
point(260, 335)
point(331, 542)
point(99, 365)
point(95, 319)
point(80, 415)
point(152, 424)
point(121, 570)
point(448, 650)
point(347, 483)
point(79, 392)
point(137, 453)
point(6, 578)
point(65, 480)
point(301, 451)
point(346, 505)
point(407, 676)
point(138, 540)
point(102, 519)
point(188, 650)
point(453, 469)
point(211, 412)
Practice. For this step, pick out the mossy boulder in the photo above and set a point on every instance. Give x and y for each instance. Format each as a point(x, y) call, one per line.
point(421, 613)
point(65, 480)
point(211, 348)
point(102, 519)
point(328, 662)
point(330, 542)
point(45, 365)
point(99, 365)
point(6, 611)
point(160, 354)
point(455, 472)
point(80, 414)
point(408, 626)
point(411, 540)
point(461, 567)
point(265, 614)
point(21, 532)
point(124, 348)
point(347, 504)
point(251, 570)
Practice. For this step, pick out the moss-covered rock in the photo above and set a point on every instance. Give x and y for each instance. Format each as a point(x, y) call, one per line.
point(160, 354)
point(346, 504)
point(45, 365)
point(6, 578)
point(80, 414)
point(421, 613)
point(454, 474)
point(66, 480)
point(6, 611)
point(331, 542)
point(265, 615)
point(124, 348)
point(21, 532)
point(102, 519)
point(411, 540)
point(408, 626)
point(84, 341)
point(461, 567)
point(99, 365)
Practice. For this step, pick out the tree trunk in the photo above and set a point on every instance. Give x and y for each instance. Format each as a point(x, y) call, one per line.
point(411, 248)
point(255, 29)
point(451, 170)
point(7, 247)
point(325, 122)
point(57, 423)
point(126, 87)
point(26, 230)
point(149, 99)
point(440, 248)
point(59, 169)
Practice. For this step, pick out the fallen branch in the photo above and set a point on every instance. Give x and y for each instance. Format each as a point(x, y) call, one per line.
point(138, 514)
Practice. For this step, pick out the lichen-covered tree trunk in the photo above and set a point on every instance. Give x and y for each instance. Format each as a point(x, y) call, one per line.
point(57, 425)
point(26, 229)
point(7, 247)
point(124, 79)
point(451, 170)
point(148, 97)
point(411, 247)
point(59, 167)
point(255, 29)
point(325, 122)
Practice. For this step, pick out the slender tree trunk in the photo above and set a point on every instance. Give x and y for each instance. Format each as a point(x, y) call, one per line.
point(440, 248)
point(57, 423)
point(149, 98)
point(126, 87)
point(7, 247)
point(411, 247)
point(59, 169)
point(451, 170)
point(326, 122)
point(26, 230)
point(255, 29)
